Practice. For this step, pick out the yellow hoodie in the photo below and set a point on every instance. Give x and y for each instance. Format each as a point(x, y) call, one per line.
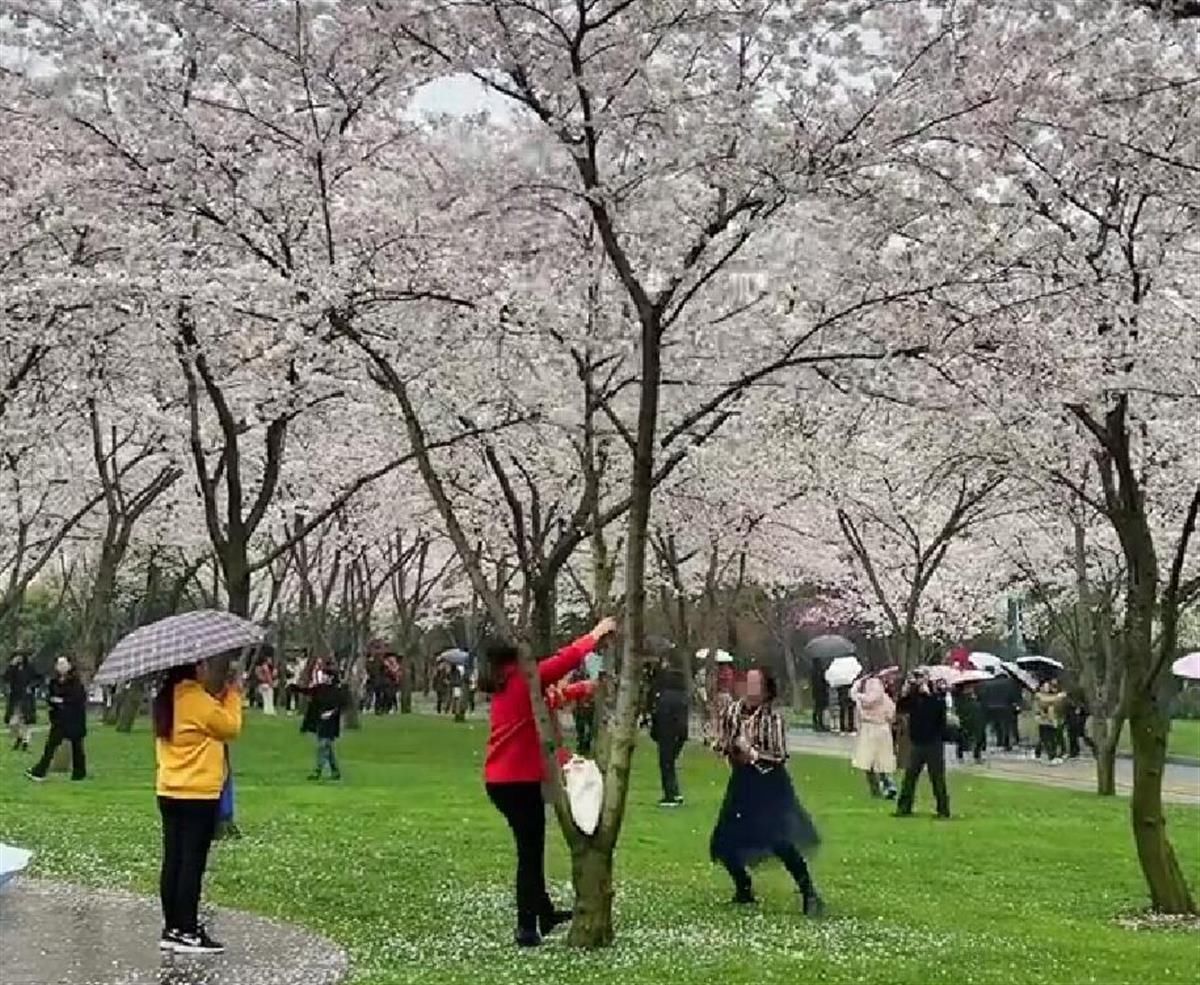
point(191, 764)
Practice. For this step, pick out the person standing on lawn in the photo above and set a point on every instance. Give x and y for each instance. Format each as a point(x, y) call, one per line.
point(924, 705)
point(760, 816)
point(264, 675)
point(191, 729)
point(669, 729)
point(514, 769)
point(323, 717)
point(20, 700)
point(874, 751)
point(68, 721)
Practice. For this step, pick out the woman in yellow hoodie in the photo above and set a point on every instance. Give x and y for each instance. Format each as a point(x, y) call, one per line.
point(191, 728)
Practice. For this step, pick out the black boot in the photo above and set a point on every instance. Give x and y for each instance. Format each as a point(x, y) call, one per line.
point(553, 918)
point(527, 931)
point(814, 906)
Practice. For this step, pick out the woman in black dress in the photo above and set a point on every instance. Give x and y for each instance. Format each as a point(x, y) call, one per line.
point(760, 816)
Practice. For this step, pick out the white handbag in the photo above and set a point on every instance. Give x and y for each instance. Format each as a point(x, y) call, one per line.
point(585, 791)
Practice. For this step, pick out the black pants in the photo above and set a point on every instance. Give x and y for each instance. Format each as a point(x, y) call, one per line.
point(1048, 741)
point(922, 755)
point(53, 741)
point(669, 748)
point(845, 711)
point(188, 828)
point(818, 715)
point(585, 726)
point(1075, 732)
point(972, 738)
point(792, 860)
point(997, 720)
point(525, 811)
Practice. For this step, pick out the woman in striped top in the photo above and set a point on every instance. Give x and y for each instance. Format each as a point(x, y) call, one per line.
point(760, 816)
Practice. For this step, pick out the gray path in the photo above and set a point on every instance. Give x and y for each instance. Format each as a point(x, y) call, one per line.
point(52, 934)
point(1181, 784)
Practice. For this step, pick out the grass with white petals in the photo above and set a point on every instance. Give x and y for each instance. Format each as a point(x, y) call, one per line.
point(406, 865)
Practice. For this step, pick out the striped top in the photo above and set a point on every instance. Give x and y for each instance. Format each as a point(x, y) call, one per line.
point(763, 728)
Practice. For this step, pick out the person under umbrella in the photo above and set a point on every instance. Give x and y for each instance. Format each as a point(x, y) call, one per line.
point(191, 729)
point(68, 721)
point(760, 815)
point(923, 701)
point(1048, 703)
point(874, 751)
point(972, 729)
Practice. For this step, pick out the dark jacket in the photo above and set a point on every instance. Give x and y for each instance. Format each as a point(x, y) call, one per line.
point(20, 681)
point(669, 717)
point(926, 717)
point(1001, 693)
point(323, 716)
point(68, 706)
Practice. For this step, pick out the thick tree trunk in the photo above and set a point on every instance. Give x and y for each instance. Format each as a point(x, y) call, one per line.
point(1149, 728)
point(129, 703)
point(591, 875)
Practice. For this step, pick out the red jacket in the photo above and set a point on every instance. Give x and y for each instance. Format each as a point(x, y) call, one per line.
point(513, 753)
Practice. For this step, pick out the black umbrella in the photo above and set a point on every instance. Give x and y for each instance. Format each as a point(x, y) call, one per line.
point(829, 647)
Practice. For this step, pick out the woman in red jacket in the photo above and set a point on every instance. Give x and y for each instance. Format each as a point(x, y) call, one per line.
point(514, 769)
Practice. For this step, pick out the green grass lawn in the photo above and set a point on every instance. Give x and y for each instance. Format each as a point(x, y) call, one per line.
point(407, 866)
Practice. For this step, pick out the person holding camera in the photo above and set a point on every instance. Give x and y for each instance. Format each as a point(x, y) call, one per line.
point(924, 704)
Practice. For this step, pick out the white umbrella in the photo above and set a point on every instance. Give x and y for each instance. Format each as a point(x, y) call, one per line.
point(973, 676)
point(944, 672)
point(719, 656)
point(1187, 666)
point(842, 671)
point(460, 658)
point(12, 861)
point(984, 661)
point(1033, 662)
point(1024, 677)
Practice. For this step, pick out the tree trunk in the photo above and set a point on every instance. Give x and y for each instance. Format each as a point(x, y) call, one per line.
point(129, 703)
point(1106, 735)
point(591, 875)
point(1149, 728)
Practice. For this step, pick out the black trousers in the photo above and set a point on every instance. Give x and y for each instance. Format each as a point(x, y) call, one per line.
point(53, 741)
point(669, 749)
point(1048, 742)
point(188, 828)
point(922, 755)
point(997, 719)
point(971, 738)
point(525, 811)
point(792, 860)
point(1075, 732)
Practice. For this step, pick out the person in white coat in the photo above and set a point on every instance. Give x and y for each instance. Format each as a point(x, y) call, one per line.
point(874, 753)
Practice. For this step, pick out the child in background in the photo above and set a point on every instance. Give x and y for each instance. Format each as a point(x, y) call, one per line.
point(323, 717)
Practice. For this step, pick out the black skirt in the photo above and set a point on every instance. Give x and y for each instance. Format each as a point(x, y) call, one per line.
point(760, 814)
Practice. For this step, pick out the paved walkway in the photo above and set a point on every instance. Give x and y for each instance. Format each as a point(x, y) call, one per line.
point(53, 934)
point(1181, 784)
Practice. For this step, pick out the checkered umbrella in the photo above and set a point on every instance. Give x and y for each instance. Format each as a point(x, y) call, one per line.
point(175, 641)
